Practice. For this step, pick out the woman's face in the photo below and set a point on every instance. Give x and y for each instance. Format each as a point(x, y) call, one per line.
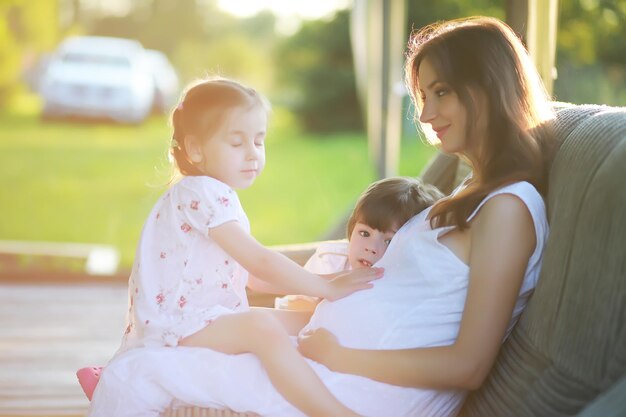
point(445, 113)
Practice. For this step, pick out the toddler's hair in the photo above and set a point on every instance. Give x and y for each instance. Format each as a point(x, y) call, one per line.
point(203, 108)
point(391, 202)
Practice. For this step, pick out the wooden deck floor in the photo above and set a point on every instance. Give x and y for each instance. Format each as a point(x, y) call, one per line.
point(56, 323)
point(47, 333)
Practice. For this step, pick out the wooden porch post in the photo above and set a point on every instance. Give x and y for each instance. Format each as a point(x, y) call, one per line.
point(378, 39)
point(536, 21)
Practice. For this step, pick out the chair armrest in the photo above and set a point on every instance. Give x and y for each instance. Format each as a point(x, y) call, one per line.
point(298, 253)
point(611, 403)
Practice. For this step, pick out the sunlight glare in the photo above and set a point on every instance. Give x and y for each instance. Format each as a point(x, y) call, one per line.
point(288, 12)
point(304, 9)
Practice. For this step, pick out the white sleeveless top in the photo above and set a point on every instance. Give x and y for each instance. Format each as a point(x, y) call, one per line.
point(420, 300)
point(419, 303)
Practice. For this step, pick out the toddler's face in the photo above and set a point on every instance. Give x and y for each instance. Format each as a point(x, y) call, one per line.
point(367, 245)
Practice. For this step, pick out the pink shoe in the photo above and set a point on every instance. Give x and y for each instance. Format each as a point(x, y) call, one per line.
point(88, 379)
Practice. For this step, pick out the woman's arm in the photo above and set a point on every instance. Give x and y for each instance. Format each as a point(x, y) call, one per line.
point(282, 273)
point(502, 239)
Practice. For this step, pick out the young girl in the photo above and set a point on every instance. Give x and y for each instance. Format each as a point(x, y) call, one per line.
point(378, 214)
point(187, 286)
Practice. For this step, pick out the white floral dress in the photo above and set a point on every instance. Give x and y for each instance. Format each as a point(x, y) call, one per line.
point(181, 279)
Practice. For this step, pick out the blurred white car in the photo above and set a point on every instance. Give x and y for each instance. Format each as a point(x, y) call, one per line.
point(166, 84)
point(99, 77)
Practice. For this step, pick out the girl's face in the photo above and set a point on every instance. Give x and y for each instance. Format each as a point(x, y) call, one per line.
point(235, 154)
point(367, 245)
point(446, 114)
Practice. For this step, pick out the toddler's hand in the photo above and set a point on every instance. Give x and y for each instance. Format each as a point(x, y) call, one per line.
point(351, 281)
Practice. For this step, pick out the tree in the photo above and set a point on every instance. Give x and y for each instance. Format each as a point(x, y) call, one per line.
point(199, 38)
point(27, 28)
point(591, 52)
point(316, 69)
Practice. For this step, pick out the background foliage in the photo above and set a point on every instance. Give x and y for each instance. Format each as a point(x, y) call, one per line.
point(309, 71)
point(95, 183)
point(316, 66)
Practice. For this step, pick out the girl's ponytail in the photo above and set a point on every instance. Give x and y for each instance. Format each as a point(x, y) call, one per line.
point(177, 146)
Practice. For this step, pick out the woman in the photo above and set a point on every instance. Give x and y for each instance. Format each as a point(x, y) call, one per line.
point(476, 89)
point(457, 275)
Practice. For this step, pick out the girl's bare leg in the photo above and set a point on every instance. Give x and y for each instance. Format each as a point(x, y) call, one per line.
point(293, 321)
point(265, 336)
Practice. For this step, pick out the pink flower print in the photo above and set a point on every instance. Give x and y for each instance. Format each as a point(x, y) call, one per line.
point(162, 255)
point(158, 215)
point(185, 228)
point(136, 290)
point(223, 201)
point(208, 321)
point(226, 262)
point(179, 207)
point(224, 285)
point(147, 322)
point(199, 281)
point(160, 298)
point(185, 262)
point(132, 301)
point(194, 204)
point(182, 301)
point(128, 328)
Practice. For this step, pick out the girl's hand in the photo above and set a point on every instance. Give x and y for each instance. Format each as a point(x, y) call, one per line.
point(320, 345)
point(348, 282)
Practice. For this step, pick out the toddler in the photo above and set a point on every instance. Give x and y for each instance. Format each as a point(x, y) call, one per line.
point(378, 214)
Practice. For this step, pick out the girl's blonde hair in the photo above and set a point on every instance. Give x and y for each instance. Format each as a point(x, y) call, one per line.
point(484, 53)
point(203, 108)
point(391, 202)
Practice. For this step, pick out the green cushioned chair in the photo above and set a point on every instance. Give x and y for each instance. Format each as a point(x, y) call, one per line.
point(567, 354)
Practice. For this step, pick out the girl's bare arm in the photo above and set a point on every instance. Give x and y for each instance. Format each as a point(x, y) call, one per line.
point(281, 272)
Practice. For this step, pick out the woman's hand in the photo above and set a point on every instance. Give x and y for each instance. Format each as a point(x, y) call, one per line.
point(320, 345)
point(348, 282)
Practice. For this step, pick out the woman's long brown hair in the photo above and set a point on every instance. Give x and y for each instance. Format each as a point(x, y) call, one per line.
point(484, 54)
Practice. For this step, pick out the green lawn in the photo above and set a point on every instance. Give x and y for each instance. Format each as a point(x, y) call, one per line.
point(95, 183)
